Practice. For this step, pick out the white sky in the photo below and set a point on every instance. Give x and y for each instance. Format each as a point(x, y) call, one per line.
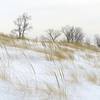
point(52, 14)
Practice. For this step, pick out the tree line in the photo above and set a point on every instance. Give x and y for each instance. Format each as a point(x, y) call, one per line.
point(72, 34)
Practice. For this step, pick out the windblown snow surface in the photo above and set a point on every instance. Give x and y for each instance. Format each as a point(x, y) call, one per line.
point(27, 75)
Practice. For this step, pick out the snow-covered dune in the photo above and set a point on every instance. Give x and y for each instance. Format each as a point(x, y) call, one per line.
point(28, 75)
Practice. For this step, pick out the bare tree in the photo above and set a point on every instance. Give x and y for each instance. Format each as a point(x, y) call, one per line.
point(73, 34)
point(22, 24)
point(97, 39)
point(52, 35)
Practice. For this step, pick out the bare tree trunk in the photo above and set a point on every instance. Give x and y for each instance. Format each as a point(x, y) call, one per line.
point(19, 35)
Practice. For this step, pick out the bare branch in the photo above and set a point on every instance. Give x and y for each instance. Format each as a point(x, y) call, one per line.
point(73, 34)
point(22, 24)
point(52, 34)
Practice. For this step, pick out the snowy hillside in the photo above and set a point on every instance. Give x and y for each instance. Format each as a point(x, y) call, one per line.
point(41, 75)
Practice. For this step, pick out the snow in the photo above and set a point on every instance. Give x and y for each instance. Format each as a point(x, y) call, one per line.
point(26, 74)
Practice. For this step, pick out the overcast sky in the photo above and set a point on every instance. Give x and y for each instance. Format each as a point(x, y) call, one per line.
point(52, 14)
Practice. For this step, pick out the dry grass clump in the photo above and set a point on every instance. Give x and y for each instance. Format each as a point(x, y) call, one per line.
point(93, 78)
point(11, 41)
point(73, 78)
point(23, 87)
point(3, 74)
point(55, 55)
point(59, 87)
point(54, 51)
point(80, 46)
point(56, 93)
